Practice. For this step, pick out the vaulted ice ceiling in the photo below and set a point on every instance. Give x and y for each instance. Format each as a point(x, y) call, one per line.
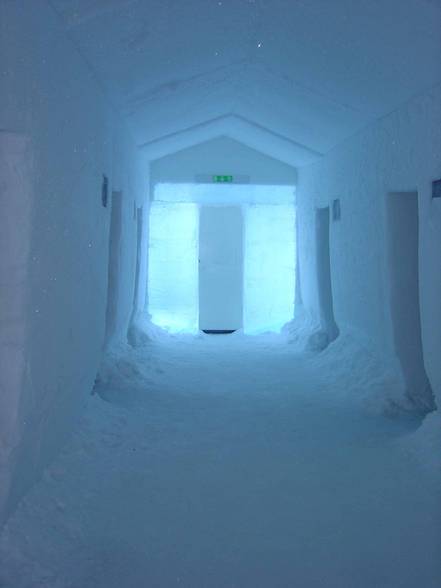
point(310, 72)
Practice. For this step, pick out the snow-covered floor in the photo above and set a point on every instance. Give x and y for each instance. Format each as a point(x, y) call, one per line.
point(225, 462)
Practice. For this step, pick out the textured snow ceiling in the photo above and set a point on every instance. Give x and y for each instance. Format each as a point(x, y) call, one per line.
point(306, 72)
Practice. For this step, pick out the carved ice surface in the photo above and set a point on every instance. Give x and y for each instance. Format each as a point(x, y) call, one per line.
point(173, 266)
point(270, 267)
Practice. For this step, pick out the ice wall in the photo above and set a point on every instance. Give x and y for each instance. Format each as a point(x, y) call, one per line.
point(269, 267)
point(58, 236)
point(173, 266)
point(400, 152)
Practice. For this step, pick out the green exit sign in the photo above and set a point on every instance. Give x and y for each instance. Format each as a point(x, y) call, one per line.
point(222, 179)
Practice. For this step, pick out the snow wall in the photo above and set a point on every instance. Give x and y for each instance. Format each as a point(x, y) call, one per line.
point(221, 156)
point(59, 136)
point(400, 152)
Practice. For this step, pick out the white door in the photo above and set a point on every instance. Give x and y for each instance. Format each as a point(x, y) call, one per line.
point(220, 268)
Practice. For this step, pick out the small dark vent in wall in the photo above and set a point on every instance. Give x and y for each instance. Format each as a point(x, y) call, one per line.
point(336, 210)
point(436, 189)
point(105, 191)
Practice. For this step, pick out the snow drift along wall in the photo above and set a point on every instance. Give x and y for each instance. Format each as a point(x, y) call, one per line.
point(400, 152)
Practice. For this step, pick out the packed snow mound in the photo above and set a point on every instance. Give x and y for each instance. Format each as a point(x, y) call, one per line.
point(353, 366)
point(356, 370)
point(425, 445)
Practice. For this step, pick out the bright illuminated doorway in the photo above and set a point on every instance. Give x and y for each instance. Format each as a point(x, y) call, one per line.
point(222, 257)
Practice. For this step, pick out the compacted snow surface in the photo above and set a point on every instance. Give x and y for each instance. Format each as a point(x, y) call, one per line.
point(228, 461)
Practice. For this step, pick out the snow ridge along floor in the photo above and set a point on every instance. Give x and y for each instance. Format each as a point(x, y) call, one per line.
point(227, 461)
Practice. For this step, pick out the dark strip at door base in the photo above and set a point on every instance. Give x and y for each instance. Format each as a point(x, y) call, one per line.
point(218, 331)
